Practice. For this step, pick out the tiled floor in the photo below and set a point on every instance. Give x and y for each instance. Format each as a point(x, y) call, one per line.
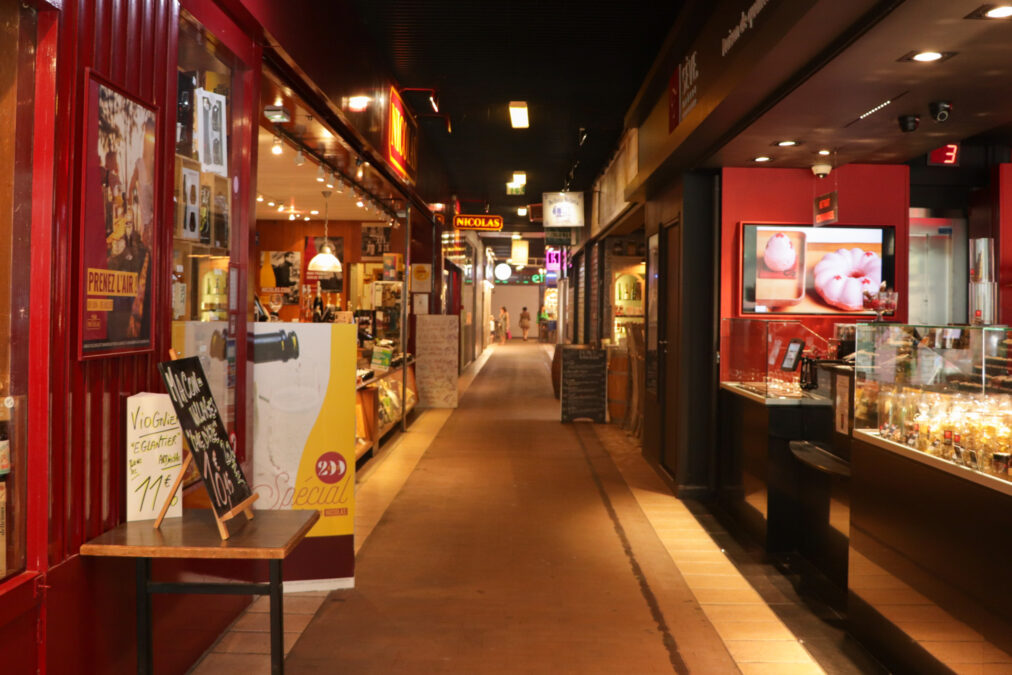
point(753, 625)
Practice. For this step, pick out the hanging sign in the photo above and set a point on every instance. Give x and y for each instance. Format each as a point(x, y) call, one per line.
point(483, 222)
point(563, 209)
point(826, 209)
point(553, 260)
point(559, 237)
point(400, 137)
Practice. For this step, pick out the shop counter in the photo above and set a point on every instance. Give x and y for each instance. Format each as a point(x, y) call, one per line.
point(378, 406)
point(758, 475)
point(929, 583)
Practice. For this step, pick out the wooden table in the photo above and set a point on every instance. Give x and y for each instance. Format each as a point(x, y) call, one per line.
point(271, 536)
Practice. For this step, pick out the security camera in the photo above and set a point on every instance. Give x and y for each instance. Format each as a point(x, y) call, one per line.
point(908, 123)
point(821, 170)
point(940, 110)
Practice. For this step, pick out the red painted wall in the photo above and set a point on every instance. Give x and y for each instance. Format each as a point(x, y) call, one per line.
point(1003, 222)
point(869, 194)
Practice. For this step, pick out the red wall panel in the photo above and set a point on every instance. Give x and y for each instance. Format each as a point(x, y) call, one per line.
point(869, 194)
point(1004, 243)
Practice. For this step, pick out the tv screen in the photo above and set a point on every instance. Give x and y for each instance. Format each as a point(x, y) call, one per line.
point(787, 269)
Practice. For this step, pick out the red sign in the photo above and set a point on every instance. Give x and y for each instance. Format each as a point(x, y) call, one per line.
point(947, 155)
point(400, 136)
point(826, 210)
point(482, 222)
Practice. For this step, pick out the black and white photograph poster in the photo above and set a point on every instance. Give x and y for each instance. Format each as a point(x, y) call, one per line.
point(280, 275)
point(375, 241)
point(212, 139)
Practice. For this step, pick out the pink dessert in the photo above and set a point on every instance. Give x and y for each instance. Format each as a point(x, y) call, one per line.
point(843, 276)
point(779, 255)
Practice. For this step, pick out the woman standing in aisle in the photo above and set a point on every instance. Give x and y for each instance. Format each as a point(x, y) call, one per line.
point(525, 322)
point(504, 325)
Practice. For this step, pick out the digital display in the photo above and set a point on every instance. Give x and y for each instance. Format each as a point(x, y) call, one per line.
point(794, 348)
point(947, 155)
point(789, 269)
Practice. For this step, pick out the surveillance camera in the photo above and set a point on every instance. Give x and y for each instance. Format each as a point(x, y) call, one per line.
point(940, 110)
point(908, 123)
point(821, 170)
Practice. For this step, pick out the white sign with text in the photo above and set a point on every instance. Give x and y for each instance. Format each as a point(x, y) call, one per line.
point(154, 454)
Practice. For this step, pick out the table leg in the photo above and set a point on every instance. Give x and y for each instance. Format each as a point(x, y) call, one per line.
point(145, 662)
point(277, 620)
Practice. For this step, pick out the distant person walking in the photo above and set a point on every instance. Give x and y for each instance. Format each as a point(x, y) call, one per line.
point(504, 325)
point(525, 322)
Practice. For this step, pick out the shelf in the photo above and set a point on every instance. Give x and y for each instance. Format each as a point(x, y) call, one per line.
point(362, 447)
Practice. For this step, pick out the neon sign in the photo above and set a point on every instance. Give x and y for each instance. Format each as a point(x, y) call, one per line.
point(400, 136)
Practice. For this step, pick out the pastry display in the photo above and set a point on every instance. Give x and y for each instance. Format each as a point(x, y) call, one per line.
point(841, 277)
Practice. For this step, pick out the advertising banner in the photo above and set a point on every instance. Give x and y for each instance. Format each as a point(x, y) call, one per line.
point(304, 426)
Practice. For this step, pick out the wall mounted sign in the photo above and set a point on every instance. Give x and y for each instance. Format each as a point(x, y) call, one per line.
point(483, 222)
point(947, 155)
point(421, 278)
point(826, 209)
point(682, 90)
point(563, 209)
point(553, 260)
point(400, 137)
point(117, 234)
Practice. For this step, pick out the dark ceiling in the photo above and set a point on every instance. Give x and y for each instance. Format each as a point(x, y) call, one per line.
point(578, 65)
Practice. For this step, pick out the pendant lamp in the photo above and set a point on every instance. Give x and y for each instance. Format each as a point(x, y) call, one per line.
point(325, 260)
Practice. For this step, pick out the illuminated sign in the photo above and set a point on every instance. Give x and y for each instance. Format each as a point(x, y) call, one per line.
point(826, 209)
point(503, 272)
point(400, 136)
point(947, 155)
point(481, 222)
point(563, 209)
point(553, 260)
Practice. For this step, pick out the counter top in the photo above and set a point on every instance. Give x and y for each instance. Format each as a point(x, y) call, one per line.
point(804, 399)
point(871, 437)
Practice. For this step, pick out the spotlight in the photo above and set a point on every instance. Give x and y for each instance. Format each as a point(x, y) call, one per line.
point(270, 203)
point(330, 179)
point(260, 198)
point(320, 174)
point(276, 145)
point(300, 159)
point(281, 208)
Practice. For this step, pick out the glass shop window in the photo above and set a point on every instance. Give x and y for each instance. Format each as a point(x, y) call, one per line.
point(204, 300)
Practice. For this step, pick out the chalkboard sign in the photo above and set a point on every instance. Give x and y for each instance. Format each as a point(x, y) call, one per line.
point(205, 434)
point(584, 383)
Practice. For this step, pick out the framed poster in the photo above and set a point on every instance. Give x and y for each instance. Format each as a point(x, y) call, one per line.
point(280, 277)
point(375, 241)
point(117, 242)
point(212, 141)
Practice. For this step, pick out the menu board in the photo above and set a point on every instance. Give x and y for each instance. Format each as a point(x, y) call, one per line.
point(205, 434)
point(584, 383)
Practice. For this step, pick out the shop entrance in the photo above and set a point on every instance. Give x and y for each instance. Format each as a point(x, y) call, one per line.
point(670, 338)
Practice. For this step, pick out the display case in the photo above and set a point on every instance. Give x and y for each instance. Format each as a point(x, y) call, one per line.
point(943, 391)
point(626, 299)
point(379, 406)
point(761, 356)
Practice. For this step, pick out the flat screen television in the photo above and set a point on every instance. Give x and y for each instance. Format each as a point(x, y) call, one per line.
point(789, 269)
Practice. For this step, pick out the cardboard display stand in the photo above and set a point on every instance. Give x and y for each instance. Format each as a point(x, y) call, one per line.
point(207, 441)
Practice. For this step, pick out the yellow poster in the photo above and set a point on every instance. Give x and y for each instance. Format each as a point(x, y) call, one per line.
point(304, 423)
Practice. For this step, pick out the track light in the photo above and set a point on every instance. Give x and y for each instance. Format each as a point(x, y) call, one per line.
point(330, 179)
point(276, 145)
point(300, 159)
point(320, 174)
point(260, 198)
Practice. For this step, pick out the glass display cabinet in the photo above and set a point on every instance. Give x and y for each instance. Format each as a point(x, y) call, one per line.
point(761, 356)
point(944, 391)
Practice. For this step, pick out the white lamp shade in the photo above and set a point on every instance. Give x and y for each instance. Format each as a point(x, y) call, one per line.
point(324, 261)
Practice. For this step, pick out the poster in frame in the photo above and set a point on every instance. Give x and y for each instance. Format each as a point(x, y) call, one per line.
point(118, 221)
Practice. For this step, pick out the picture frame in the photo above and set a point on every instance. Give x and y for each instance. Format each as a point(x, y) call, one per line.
point(119, 223)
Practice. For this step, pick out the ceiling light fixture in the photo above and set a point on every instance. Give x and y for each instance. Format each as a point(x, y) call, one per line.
point(291, 216)
point(522, 211)
point(359, 203)
point(276, 145)
point(518, 115)
point(306, 218)
point(358, 103)
point(999, 12)
point(520, 177)
point(260, 198)
point(875, 109)
point(320, 174)
point(281, 208)
point(325, 260)
point(787, 144)
point(927, 57)
point(315, 212)
point(516, 235)
point(276, 113)
point(762, 158)
point(270, 203)
point(329, 182)
point(300, 159)
point(824, 153)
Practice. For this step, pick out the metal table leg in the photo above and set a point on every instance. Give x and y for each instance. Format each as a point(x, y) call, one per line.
point(145, 662)
point(277, 620)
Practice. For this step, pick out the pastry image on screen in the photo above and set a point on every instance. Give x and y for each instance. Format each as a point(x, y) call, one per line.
point(791, 269)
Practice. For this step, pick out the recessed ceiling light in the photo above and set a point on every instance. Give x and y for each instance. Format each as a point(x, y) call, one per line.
point(520, 177)
point(522, 211)
point(762, 158)
point(787, 144)
point(358, 103)
point(927, 57)
point(291, 216)
point(306, 218)
point(315, 212)
point(874, 110)
point(999, 12)
point(281, 208)
point(518, 115)
point(824, 153)
point(516, 235)
point(270, 203)
point(260, 198)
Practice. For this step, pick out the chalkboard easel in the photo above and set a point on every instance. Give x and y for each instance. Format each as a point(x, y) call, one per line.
point(220, 512)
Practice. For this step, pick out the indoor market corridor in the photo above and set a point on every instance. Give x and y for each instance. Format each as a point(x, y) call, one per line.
point(518, 544)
